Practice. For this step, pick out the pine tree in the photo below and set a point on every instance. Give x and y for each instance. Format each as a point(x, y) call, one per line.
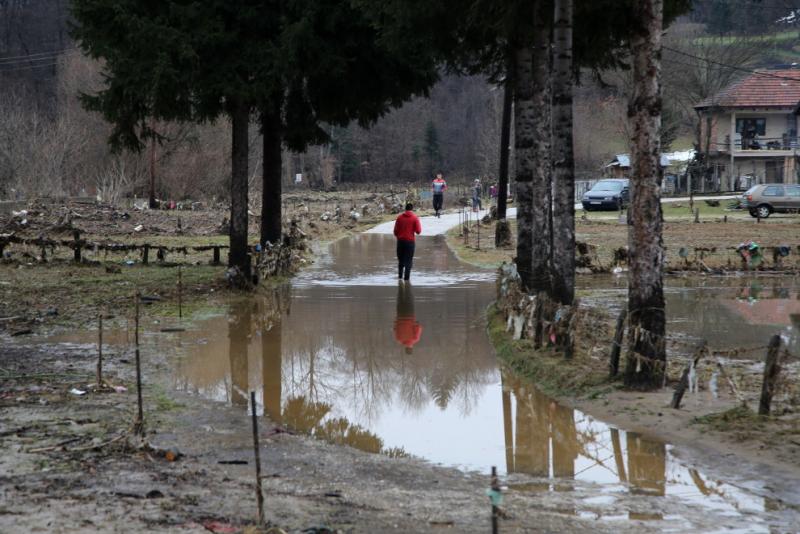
point(433, 156)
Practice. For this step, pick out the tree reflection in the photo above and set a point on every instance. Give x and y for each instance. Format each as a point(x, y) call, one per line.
point(239, 329)
point(309, 417)
point(544, 438)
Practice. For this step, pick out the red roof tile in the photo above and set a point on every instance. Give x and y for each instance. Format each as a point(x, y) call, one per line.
point(762, 89)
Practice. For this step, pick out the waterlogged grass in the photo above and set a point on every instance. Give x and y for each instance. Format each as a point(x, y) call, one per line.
point(551, 373)
point(741, 421)
point(67, 295)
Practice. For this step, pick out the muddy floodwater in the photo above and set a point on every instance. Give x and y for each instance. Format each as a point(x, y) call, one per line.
point(355, 357)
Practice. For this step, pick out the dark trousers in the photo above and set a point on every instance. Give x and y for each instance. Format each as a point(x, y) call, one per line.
point(438, 200)
point(405, 257)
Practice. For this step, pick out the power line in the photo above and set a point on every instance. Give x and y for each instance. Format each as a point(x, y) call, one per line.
point(29, 67)
point(733, 67)
point(26, 57)
point(29, 61)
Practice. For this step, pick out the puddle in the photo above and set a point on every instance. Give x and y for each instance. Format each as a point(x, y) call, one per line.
point(347, 354)
point(726, 311)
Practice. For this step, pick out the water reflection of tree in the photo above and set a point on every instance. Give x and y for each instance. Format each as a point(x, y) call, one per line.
point(366, 369)
point(309, 417)
point(544, 438)
point(239, 332)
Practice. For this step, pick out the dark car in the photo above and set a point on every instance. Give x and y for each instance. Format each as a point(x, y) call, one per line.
point(764, 199)
point(609, 194)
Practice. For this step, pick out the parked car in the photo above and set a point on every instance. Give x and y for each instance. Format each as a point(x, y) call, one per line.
point(606, 195)
point(762, 200)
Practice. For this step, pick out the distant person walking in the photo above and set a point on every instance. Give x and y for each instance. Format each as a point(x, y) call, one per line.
point(477, 190)
point(438, 187)
point(406, 228)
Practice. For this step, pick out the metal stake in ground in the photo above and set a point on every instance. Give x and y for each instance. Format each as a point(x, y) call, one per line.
point(100, 350)
point(138, 425)
point(259, 493)
point(496, 498)
point(180, 294)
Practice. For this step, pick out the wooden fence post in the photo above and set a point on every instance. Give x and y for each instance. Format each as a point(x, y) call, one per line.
point(77, 246)
point(100, 350)
point(683, 385)
point(772, 369)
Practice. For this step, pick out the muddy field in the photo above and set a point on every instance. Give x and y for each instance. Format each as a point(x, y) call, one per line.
point(711, 241)
point(42, 288)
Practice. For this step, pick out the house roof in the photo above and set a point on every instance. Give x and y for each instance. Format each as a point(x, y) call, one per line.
point(624, 160)
point(761, 89)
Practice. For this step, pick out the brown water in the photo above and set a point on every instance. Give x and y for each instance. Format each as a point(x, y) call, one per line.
point(347, 354)
point(726, 311)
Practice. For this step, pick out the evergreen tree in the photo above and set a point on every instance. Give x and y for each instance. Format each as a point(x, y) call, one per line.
point(297, 64)
point(433, 156)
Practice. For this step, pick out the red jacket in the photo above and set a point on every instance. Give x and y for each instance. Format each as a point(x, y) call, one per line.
point(406, 225)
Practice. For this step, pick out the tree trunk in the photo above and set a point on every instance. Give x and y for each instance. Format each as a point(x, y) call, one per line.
point(647, 323)
point(271, 186)
point(152, 199)
point(541, 189)
point(563, 253)
point(505, 137)
point(238, 256)
point(502, 236)
point(524, 125)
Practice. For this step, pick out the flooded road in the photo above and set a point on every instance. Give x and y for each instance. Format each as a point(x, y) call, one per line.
point(347, 354)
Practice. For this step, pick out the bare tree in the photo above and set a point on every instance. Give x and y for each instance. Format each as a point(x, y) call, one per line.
point(647, 320)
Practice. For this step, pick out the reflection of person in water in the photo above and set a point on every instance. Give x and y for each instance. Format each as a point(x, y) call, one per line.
point(407, 330)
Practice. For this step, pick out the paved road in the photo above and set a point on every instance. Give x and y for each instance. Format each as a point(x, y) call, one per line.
point(437, 226)
point(433, 225)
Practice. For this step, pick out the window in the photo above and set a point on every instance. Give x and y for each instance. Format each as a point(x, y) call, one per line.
point(751, 126)
point(793, 191)
point(773, 191)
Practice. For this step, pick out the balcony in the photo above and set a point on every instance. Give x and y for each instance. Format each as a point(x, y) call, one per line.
point(762, 146)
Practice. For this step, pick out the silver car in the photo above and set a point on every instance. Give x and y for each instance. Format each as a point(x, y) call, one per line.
point(765, 199)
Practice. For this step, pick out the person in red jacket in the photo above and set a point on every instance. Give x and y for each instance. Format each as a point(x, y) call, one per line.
point(407, 331)
point(405, 228)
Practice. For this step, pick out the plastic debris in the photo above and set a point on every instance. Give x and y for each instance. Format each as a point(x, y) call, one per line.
point(138, 228)
point(495, 496)
point(76, 391)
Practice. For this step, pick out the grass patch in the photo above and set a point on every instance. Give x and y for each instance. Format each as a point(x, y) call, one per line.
point(164, 403)
point(551, 373)
point(741, 420)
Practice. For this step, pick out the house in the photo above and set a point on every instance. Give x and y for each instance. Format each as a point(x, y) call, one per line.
point(673, 164)
point(748, 131)
point(620, 166)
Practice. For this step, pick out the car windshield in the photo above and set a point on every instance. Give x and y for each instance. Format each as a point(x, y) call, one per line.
point(608, 185)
